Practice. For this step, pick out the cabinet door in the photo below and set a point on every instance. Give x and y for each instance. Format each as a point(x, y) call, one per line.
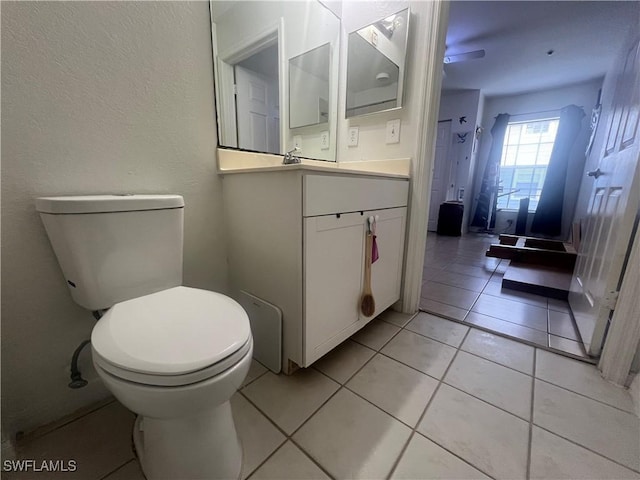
point(386, 272)
point(333, 263)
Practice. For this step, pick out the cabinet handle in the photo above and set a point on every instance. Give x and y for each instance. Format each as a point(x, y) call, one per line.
point(337, 215)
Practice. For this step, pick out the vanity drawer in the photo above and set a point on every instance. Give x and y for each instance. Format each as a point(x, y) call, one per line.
point(327, 194)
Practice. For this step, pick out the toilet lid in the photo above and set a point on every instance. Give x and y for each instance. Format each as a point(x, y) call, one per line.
point(172, 332)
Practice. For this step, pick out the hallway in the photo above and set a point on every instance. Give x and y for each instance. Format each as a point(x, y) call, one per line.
point(461, 283)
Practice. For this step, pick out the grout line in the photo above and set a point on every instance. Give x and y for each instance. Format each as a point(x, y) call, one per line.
point(485, 401)
point(414, 429)
point(268, 418)
point(514, 323)
point(494, 332)
point(440, 314)
point(462, 459)
point(477, 295)
point(340, 387)
point(566, 389)
point(385, 343)
point(547, 308)
point(533, 387)
point(514, 338)
point(305, 421)
point(261, 463)
point(254, 379)
point(55, 425)
point(308, 455)
point(531, 422)
point(535, 347)
point(459, 286)
point(515, 299)
point(595, 452)
point(106, 477)
point(497, 363)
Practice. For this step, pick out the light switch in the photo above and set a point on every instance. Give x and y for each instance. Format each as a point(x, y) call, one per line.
point(353, 137)
point(324, 140)
point(297, 141)
point(393, 131)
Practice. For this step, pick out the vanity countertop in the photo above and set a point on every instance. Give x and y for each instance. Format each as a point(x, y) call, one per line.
point(236, 161)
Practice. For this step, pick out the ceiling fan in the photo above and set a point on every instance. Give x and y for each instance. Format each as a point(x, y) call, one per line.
point(463, 57)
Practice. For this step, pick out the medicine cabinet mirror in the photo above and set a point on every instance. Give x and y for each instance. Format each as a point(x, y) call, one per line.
point(276, 71)
point(376, 61)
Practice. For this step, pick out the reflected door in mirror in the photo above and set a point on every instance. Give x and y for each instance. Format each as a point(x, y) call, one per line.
point(275, 43)
point(257, 111)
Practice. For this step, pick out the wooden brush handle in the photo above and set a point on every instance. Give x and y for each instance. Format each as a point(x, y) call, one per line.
point(367, 264)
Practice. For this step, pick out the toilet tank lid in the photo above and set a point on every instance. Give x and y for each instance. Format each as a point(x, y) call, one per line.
point(107, 203)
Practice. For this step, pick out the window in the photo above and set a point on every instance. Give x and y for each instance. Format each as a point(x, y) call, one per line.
point(525, 156)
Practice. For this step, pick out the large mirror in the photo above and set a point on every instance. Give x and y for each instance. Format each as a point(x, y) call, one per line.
point(376, 65)
point(276, 71)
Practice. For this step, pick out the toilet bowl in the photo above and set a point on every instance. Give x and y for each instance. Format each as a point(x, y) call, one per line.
point(175, 358)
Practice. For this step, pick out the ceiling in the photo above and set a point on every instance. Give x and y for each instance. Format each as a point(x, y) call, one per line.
point(585, 37)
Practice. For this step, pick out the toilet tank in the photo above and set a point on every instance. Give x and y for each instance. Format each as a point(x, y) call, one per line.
point(113, 248)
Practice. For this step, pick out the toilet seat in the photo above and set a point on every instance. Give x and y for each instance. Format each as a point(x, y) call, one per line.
point(173, 380)
point(173, 337)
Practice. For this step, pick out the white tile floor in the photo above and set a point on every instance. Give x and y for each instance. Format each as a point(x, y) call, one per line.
point(461, 283)
point(432, 399)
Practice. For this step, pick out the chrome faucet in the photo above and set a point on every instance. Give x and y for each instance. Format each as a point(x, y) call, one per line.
point(289, 158)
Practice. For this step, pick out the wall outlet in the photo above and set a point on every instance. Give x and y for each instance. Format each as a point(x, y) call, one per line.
point(353, 137)
point(393, 131)
point(324, 140)
point(297, 141)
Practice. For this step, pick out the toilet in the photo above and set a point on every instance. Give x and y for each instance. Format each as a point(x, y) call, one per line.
point(174, 355)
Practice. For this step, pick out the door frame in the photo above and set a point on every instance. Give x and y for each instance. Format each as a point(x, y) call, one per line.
point(421, 167)
point(223, 74)
point(623, 338)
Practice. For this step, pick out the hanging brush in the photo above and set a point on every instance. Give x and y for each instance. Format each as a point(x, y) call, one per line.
point(368, 303)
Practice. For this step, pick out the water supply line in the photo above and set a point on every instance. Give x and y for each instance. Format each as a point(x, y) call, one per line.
point(76, 376)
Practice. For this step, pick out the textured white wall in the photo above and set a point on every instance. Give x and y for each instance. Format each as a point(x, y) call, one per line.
point(97, 97)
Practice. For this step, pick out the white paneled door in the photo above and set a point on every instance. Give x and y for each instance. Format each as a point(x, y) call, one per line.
point(613, 205)
point(257, 111)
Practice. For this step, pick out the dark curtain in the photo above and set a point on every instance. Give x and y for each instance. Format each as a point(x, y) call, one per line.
point(548, 217)
point(488, 199)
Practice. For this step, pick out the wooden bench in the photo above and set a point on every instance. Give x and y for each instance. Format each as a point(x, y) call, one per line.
point(537, 265)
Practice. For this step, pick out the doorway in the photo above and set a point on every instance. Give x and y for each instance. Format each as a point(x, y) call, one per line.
point(258, 102)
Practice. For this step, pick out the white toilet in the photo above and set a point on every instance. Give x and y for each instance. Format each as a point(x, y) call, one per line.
point(172, 354)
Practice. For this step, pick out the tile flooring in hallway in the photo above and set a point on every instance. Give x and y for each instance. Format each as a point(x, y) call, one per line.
point(406, 398)
point(461, 283)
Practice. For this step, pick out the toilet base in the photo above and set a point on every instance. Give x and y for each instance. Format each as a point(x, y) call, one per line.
point(203, 446)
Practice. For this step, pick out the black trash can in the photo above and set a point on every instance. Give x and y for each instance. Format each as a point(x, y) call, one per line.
point(450, 219)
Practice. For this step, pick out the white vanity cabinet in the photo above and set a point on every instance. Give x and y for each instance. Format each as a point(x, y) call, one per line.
point(296, 239)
